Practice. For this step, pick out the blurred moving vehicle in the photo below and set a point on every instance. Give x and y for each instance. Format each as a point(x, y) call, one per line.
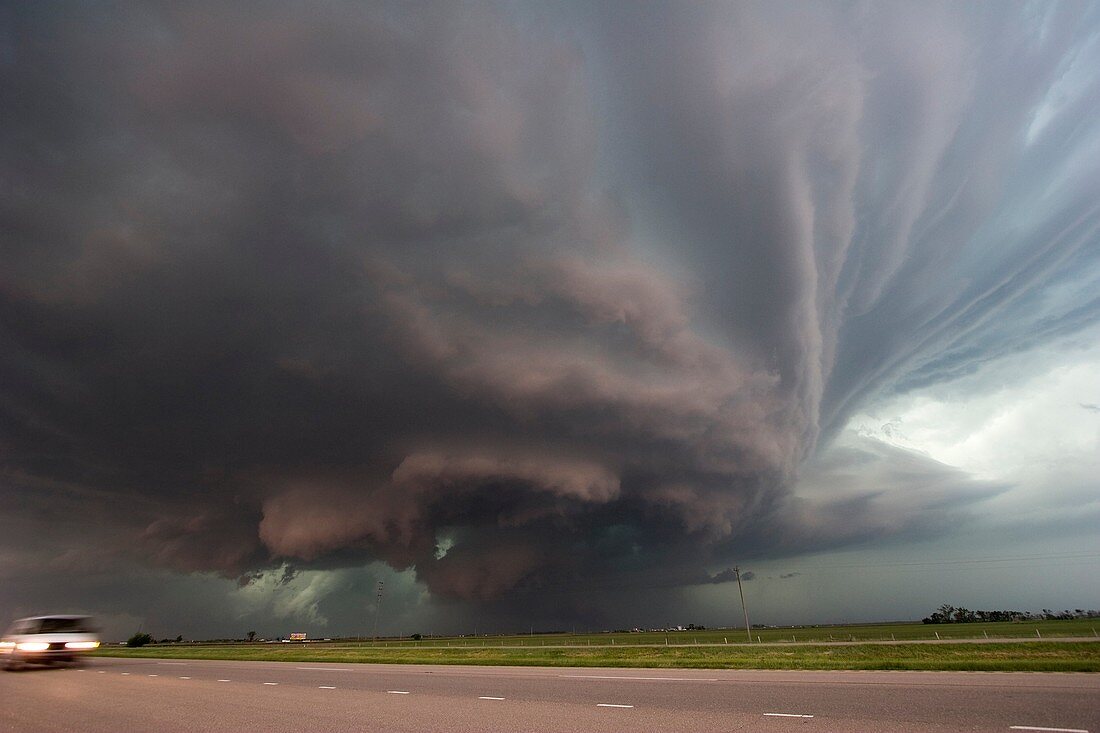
point(47, 639)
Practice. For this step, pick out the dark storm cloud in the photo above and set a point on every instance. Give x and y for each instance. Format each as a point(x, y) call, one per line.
point(511, 296)
point(870, 211)
point(729, 575)
point(725, 576)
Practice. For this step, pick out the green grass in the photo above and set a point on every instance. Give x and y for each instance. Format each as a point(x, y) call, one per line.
point(705, 649)
point(1048, 657)
point(800, 634)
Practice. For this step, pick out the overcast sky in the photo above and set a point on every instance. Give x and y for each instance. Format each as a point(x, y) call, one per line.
point(546, 314)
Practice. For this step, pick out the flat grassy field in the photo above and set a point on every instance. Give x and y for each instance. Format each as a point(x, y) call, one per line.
point(799, 634)
point(834, 647)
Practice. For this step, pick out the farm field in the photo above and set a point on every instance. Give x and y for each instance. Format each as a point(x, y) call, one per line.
point(979, 647)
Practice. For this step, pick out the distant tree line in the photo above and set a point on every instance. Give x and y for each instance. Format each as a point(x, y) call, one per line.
point(139, 639)
point(948, 614)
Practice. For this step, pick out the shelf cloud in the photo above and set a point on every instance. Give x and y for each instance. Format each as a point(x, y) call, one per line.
point(507, 295)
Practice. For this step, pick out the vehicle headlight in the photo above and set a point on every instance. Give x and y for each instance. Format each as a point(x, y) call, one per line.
point(81, 644)
point(32, 646)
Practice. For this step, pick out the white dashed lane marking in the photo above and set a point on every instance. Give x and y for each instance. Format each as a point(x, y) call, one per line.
point(622, 677)
point(398, 692)
point(185, 678)
point(271, 683)
point(486, 697)
point(611, 705)
point(787, 715)
point(325, 687)
point(223, 680)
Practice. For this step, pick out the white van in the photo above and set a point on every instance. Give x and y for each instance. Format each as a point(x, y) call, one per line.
point(47, 639)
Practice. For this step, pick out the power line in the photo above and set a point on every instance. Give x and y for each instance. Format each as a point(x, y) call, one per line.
point(748, 629)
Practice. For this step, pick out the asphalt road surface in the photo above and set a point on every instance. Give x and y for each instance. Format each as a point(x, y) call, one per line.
point(177, 695)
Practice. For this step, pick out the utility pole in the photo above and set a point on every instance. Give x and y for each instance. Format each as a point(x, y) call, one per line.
point(377, 613)
point(748, 629)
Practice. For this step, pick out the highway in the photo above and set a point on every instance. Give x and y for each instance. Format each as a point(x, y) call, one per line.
point(109, 695)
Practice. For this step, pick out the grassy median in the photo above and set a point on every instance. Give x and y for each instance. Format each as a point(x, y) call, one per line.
point(998, 656)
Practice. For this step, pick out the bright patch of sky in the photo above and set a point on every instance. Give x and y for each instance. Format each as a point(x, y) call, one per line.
point(1026, 421)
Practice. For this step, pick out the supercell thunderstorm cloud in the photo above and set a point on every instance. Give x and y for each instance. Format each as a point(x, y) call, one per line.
point(512, 297)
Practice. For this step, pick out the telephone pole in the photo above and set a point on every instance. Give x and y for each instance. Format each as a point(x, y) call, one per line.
point(748, 629)
point(377, 613)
